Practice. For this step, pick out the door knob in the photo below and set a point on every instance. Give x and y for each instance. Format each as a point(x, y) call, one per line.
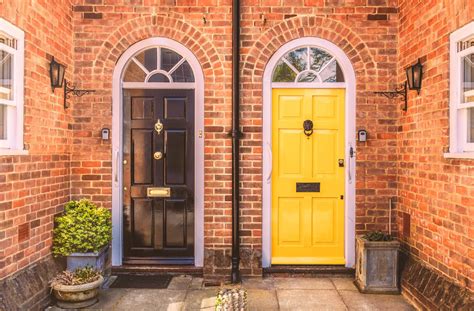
point(158, 126)
point(157, 155)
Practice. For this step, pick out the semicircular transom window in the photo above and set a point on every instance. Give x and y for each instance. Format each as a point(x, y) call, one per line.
point(158, 64)
point(308, 64)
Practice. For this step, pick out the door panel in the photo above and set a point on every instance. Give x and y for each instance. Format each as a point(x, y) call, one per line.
point(308, 224)
point(158, 229)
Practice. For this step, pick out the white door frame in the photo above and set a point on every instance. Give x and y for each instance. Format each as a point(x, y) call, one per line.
point(350, 86)
point(117, 124)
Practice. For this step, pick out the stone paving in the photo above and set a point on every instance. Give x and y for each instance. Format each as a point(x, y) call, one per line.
point(270, 293)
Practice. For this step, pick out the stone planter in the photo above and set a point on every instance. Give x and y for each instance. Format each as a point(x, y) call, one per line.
point(96, 260)
point(377, 266)
point(77, 296)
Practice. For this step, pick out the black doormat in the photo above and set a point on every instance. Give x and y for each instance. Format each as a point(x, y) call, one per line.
point(141, 281)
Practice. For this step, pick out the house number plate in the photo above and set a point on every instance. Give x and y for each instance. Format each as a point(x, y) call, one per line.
point(307, 187)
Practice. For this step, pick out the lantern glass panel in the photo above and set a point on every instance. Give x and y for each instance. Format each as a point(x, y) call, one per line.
point(410, 77)
point(61, 75)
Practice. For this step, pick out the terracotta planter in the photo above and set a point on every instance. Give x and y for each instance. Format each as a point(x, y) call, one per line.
point(77, 296)
point(377, 266)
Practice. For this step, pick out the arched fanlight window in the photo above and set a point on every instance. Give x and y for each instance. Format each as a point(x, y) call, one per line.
point(308, 64)
point(158, 64)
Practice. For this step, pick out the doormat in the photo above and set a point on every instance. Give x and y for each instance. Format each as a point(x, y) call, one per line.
point(141, 281)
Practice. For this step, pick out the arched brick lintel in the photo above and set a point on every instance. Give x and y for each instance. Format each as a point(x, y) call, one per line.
point(159, 26)
point(307, 26)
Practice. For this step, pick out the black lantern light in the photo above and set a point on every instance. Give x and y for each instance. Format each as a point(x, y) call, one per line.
point(414, 76)
point(56, 74)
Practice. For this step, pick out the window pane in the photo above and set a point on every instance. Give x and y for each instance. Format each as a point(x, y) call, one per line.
point(318, 58)
point(6, 75)
point(332, 73)
point(184, 73)
point(468, 78)
point(158, 77)
point(298, 58)
point(470, 125)
point(169, 59)
point(148, 58)
point(3, 122)
point(133, 73)
point(283, 73)
point(308, 76)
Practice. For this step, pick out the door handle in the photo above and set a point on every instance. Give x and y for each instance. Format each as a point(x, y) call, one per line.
point(116, 165)
point(351, 156)
point(269, 148)
point(157, 155)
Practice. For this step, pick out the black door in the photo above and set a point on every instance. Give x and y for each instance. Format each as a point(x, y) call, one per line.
point(158, 176)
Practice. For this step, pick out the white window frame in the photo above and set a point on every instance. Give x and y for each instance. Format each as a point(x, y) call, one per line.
point(14, 142)
point(458, 145)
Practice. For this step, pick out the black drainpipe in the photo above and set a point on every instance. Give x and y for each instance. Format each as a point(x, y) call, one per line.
point(235, 139)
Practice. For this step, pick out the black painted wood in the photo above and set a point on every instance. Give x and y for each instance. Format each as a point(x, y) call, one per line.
point(158, 230)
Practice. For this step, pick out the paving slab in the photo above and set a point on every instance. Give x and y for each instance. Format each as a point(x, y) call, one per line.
point(203, 299)
point(357, 301)
point(303, 283)
point(196, 283)
point(306, 299)
point(151, 299)
point(344, 283)
point(108, 298)
point(262, 299)
point(258, 283)
point(180, 282)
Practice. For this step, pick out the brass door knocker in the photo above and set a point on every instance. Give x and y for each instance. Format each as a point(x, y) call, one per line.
point(308, 127)
point(158, 126)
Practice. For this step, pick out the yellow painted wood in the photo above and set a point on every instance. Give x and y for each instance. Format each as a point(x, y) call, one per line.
point(308, 227)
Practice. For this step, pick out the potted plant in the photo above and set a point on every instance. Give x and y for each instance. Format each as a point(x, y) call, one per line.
point(377, 263)
point(78, 289)
point(82, 234)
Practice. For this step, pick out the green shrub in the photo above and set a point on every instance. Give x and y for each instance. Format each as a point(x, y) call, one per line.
point(377, 236)
point(82, 228)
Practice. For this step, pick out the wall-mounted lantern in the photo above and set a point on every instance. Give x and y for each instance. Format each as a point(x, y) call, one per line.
point(414, 76)
point(56, 74)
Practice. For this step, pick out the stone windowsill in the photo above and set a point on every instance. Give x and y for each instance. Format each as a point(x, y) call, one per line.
point(459, 155)
point(9, 152)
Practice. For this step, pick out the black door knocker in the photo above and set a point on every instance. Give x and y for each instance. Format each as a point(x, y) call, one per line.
point(308, 127)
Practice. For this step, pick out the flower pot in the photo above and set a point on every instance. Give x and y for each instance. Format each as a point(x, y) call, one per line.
point(377, 266)
point(95, 260)
point(77, 296)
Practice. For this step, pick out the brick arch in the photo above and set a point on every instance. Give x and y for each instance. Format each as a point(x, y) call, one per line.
point(145, 27)
point(332, 30)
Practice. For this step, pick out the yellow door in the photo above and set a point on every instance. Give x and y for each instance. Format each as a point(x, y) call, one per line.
point(307, 222)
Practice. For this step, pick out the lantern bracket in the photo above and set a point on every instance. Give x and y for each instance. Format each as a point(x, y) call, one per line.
point(400, 91)
point(71, 90)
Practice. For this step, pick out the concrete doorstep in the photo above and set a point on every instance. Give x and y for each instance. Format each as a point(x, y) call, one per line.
point(269, 293)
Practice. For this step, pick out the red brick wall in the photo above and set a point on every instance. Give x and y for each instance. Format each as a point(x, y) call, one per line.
point(365, 30)
point(34, 187)
point(437, 193)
